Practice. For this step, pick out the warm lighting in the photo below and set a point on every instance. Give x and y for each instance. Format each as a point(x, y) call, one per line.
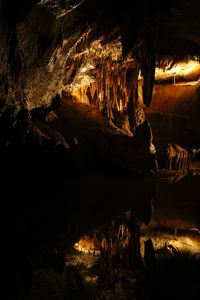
point(180, 69)
point(120, 105)
point(88, 245)
point(86, 68)
point(183, 243)
point(80, 94)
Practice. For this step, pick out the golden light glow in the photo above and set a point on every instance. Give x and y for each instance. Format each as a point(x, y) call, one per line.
point(181, 243)
point(88, 245)
point(120, 105)
point(180, 69)
point(80, 94)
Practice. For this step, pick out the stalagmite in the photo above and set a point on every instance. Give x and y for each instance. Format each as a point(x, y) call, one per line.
point(177, 158)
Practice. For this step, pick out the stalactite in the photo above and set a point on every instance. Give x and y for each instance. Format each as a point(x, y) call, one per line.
point(148, 61)
point(133, 97)
point(148, 73)
point(110, 110)
point(93, 89)
point(113, 104)
point(98, 85)
point(114, 89)
point(126, 92)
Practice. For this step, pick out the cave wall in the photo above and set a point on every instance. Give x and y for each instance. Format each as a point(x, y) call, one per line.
point(174, 114)
point(35, 42)
point(31, 33)
point(37, 45)
point(180, 99)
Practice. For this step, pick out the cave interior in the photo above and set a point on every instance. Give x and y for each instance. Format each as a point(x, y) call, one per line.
point(100, 149)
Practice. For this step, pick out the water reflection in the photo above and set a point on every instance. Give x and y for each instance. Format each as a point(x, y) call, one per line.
point(141, 252)
point(129, 239)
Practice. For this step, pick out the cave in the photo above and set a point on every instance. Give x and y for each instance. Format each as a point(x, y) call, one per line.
point(100, 149)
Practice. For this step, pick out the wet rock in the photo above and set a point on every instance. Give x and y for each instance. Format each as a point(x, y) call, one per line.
point(143, 134)
point(42, 112)
point(56, 102)
point(75, 287)
point(149, 258)
point(55, 260)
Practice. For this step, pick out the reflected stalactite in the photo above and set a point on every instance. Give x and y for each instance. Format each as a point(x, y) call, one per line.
point(118, 245)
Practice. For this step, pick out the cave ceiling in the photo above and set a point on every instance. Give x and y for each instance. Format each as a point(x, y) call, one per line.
point(142, 34)
point(173, 22)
